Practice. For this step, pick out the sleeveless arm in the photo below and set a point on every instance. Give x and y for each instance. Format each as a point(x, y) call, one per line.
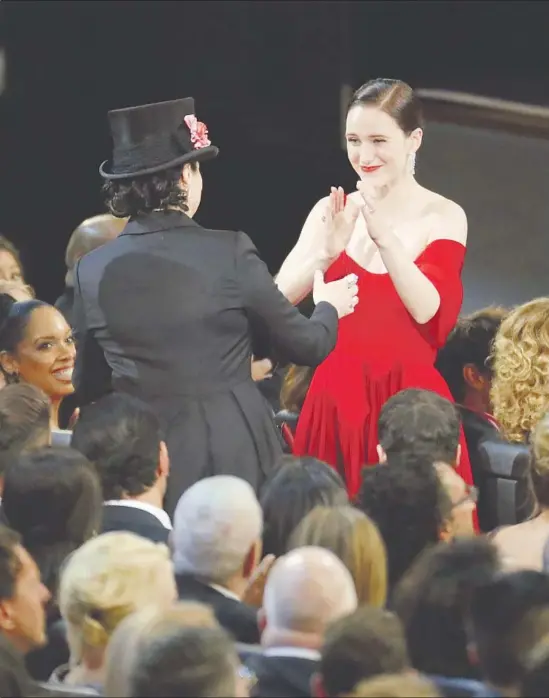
point(295, 278)
point(441, 263)
point(303, 341)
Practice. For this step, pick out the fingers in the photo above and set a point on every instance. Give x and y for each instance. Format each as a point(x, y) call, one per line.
point(337, 200)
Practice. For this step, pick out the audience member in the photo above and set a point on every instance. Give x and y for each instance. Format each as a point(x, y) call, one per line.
point(296, 487)
point(419, 422)
point(37, 347)
point(24, 423)
point(432, 599)
point(11, 268)
point(408, 503)
point(395, 686)
point(369, 642)
point(520, 390)
point(216, 549)
point(52, 499)
point(521, 546)
point(121, 436)
point(463, 500)
point(150, 623)
point(509, 617)
point(104, 581)
point(307, 590)
point(22, 615)
point(354, 538)
point(86, 237)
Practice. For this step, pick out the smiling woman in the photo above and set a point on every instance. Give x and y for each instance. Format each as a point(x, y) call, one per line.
point(37, 347)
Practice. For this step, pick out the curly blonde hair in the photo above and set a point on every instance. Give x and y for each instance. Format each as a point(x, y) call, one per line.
point(520, 383)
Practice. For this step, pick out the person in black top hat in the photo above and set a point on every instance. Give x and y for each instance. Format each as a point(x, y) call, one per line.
point(173, 306)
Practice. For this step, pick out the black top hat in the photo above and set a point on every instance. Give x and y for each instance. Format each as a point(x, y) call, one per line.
point(154, 137)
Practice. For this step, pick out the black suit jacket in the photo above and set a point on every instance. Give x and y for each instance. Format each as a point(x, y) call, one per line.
point(281, 677)
point(138, 521)
point(174, 308)
point(236, 617)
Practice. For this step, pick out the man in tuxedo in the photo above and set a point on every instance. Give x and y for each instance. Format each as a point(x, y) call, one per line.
point(121, 436)
point(464, 363)
point(216, 544)
point(307, 589)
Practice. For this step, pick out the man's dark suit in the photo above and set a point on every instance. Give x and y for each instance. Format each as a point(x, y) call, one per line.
point(281, 677)
point(174, 306)
point(117, 517)
point(236, 617)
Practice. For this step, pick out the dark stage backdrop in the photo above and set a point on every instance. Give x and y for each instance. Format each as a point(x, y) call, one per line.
point(267, 79)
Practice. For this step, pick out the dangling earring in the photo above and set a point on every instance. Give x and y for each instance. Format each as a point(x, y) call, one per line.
point(412, 163)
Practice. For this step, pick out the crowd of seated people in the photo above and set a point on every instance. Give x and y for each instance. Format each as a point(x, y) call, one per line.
point(421, 586)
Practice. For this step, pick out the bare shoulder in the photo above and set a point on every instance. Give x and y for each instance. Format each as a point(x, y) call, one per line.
point(452, 220)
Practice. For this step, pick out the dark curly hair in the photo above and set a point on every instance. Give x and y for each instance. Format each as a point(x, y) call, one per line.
point(470, 342)
point(160, 191)
point(121, 436)
point(409, 505)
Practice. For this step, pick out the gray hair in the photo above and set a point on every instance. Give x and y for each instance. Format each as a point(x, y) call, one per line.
point(216, 523)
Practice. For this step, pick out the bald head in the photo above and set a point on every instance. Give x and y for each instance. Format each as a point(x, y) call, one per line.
point(306, 590)
point(90, 234)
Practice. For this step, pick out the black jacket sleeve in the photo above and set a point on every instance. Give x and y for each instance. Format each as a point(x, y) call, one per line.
point(92, 374)
point(303, 341)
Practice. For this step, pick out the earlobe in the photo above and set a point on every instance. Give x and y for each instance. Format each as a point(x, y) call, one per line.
point(381, 455)
point(9, 364)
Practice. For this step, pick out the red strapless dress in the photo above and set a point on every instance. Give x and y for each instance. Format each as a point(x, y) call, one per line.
point(380, 350)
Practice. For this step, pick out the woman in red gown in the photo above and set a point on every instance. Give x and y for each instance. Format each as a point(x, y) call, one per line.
point(406, 244)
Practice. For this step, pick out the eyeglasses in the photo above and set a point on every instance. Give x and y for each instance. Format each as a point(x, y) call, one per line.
point(471, 496)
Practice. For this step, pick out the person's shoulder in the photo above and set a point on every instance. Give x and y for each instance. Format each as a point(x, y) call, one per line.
point(451, 218)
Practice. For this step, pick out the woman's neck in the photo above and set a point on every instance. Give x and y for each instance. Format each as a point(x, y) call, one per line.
point(54, 413)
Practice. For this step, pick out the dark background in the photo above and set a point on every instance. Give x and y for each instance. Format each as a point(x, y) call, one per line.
point(266, 77)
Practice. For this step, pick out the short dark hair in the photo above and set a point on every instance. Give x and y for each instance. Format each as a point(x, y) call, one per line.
point(432, 601)
point(407, 501)
point(52, 499)
point(296, 487)
point(366, 643)
point(395, 97)
point(416, 421)
point(159, 191)
point(470, 342)
point(509, 617)
point(121, 436)
point(187, 661)
point(24, 421)
point(10, 564)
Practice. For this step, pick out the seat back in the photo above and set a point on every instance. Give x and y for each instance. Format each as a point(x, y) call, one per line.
point(508, 495)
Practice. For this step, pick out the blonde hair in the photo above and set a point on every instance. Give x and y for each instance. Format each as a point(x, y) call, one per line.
point(355, 539)
point(395, 686)
point(520, 384)
point(540, 461)
point(105, 580)
point(148, 623)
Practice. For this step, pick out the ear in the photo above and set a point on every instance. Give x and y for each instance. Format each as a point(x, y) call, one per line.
point(9, 363)
point(473, 377)
point(416, 138)
point(186, 174)
point(6, 617)
point(446, 535)
point(317, 686)
point(261, 621)
point(381, 455)
point(163, 469)
point(252, 559)
point(458, 455)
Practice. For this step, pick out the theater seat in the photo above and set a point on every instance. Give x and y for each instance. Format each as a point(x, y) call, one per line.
point(507, 494)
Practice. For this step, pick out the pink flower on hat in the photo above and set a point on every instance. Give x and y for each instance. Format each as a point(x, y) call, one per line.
point(199, 131)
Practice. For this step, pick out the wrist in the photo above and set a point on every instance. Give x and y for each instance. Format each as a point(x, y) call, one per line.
point(387, 242)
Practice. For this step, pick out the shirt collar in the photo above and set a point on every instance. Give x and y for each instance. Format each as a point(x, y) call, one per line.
point(226, 592)
point(160, 514)
point(297, 652)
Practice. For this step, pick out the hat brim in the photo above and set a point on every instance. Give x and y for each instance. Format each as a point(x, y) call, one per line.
point(199, 155)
